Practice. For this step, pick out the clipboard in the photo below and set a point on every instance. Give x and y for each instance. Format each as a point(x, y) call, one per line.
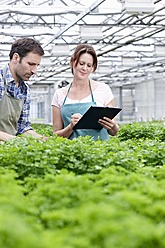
point(90, 119)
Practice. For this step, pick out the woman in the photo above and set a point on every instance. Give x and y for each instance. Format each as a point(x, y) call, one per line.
point(72, 101)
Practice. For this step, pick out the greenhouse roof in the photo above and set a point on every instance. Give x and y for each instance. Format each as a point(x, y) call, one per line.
point(128, 36)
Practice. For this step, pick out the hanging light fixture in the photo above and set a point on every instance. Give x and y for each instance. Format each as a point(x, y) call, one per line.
point(159, 50)
point(89, 32)
point(129, 61)
point(60, 50)
point(138, 6)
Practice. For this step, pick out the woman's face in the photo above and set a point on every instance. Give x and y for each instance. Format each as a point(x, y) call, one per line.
point(84, 66)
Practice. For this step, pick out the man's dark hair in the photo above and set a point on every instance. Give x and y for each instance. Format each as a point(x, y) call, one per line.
point(23, 46)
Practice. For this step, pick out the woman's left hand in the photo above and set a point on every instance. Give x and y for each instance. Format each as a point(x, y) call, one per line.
point(110, 125)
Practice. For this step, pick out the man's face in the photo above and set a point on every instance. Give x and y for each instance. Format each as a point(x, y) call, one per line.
point(27, 66)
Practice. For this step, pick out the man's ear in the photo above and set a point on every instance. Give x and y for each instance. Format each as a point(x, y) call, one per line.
point(16, 57)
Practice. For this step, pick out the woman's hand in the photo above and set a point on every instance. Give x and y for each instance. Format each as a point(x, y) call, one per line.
point(74, 119)
point(110, 125)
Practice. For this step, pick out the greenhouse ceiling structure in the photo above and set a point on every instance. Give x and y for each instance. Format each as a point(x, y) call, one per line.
point(128, 36)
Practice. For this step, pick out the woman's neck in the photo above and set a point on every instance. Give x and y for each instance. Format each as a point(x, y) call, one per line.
point(79, 90)
point(81, 84)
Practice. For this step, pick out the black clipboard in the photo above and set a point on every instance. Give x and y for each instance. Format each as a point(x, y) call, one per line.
point(90, 119)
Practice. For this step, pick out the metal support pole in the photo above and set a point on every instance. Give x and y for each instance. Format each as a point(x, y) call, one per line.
point(121, 102)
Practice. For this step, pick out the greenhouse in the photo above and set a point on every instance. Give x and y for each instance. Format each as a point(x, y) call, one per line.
point(81, 192)
point(129, 38)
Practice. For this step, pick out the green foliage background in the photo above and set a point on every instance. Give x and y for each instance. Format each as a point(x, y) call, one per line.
point(84, 193)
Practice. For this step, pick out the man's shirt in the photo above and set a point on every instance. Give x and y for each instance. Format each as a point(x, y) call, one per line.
point(21, 92)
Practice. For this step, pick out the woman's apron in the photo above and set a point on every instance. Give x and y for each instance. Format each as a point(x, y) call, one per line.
point(68, 110)
point(10, 111)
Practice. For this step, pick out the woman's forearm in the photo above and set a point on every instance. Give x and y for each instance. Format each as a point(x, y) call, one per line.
point(65, 132)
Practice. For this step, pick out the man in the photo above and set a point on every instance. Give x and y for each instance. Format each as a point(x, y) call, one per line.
point(25, 56)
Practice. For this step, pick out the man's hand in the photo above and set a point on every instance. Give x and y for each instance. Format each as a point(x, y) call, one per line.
point(36, 135)
point(5, 136)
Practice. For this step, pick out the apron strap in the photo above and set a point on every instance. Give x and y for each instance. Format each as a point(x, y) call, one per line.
point(4, 78)
point(91, 92)
point(4, 74)
point(69, 90)
point(67, 94)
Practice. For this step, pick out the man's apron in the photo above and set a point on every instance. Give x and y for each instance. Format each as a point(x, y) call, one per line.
point(10, 111)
